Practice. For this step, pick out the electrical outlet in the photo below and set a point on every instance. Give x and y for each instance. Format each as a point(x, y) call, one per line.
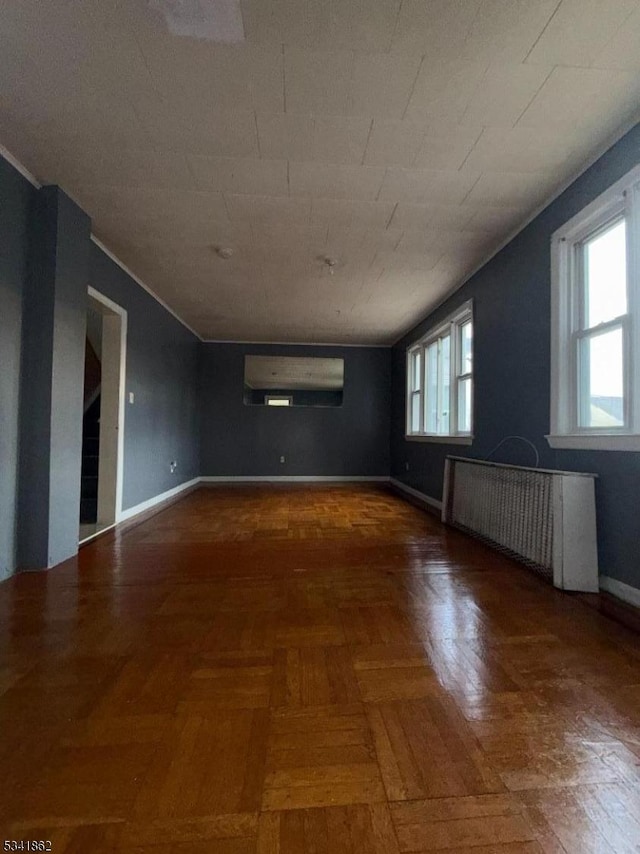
point(173, 465)
point(406, 466)
point(282, 459)
point(132, 397)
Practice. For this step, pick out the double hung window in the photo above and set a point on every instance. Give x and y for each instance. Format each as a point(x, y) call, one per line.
point(440, 381)
point(596, 323)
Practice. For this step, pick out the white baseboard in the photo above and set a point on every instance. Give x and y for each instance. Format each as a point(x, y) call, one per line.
point(303, 478)
point(420, 496)
point(157, 499)
point(618, 588)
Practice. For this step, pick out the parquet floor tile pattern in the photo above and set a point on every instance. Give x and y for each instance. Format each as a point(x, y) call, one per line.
point(312, 670)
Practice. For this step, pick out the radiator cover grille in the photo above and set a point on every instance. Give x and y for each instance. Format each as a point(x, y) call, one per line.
point(508, 508)
point(541, 517)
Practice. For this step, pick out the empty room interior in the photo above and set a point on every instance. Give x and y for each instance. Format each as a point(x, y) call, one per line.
point(320, 426)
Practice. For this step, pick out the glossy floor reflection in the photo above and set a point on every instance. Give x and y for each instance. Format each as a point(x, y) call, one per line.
point(266, 670)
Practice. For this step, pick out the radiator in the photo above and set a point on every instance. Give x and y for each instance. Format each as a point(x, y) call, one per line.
point(544, 518)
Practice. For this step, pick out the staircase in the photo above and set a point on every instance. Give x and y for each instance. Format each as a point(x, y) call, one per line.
point(90, 457)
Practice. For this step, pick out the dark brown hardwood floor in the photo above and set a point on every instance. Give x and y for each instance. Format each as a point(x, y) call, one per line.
point(311, 670)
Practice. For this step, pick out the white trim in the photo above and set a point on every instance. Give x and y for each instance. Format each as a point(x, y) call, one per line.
point(588, 218)
point(442, 440)
point(8, 156)
point(303, 478)
point(288, 343)
point(101, 530)
point(594, 442)
point(550, 199)
point(118, 487)
point(157, 499)
point(139, 281)
point(623, 591)
point(421, 496)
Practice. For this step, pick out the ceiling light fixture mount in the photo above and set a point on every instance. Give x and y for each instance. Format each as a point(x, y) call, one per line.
point(330, 263)
point(224, 252)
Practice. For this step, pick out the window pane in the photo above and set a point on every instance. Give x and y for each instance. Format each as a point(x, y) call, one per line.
point(464, 406)
point(466, 352)
point(606, 275)
point(444, 384)
point(602, 380)
point(415, 412)
point(416, 377)
point(432, 389)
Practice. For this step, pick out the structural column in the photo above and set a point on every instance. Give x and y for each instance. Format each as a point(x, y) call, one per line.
point(53, 346)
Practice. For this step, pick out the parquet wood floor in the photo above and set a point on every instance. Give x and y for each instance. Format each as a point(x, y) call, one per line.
point(312, 670)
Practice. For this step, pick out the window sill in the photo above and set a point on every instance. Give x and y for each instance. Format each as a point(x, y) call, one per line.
point(441, 440)
point(601, 442)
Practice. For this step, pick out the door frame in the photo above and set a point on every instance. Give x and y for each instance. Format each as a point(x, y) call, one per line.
point(112, 409)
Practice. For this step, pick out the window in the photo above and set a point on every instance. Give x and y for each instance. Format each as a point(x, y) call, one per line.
point(278, 400)
point(440, 381)
point(595, 381)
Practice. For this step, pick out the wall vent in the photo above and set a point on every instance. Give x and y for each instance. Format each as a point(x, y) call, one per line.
point(541, 517)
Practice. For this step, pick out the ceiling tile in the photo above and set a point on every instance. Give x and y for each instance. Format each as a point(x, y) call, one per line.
point(357, 24)
point(348, 213)
point(260, 209)
point(511, 188)
point(519, 149)
point(240, 175)
point(334, 181)
point(212, 133)
point(426, 186)
point(393, 143)
point(494, 220)
point(146, 205)
point(573, 95)
point(504, 31)
point(409, 217)
point(292, 238)
point(503, 94)
point(326, 139)
point(220, 77)
point(317, 82)
point(436, 28)
point(579, 30)
point(444, 90)
point(459, 243)
point(446, 146)
point(381, 85)
point(622, 51)
point(131, 168)
point(347, 83)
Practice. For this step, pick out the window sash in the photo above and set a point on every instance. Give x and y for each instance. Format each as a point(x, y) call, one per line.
point(582, 376)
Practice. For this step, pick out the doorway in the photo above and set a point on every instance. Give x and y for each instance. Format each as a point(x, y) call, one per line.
point(103, 416)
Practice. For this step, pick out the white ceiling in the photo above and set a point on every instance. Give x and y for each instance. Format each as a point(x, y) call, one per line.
point(404, 138)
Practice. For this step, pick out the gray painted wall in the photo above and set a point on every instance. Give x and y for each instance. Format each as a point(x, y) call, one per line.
point(53, 348)
point(46, 263)
point(512, 310)
point(350, 440)
point(162, 424)
point(16, 197)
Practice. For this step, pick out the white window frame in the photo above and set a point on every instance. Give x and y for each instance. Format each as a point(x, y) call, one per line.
point(622, 199)
point(451, 326)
